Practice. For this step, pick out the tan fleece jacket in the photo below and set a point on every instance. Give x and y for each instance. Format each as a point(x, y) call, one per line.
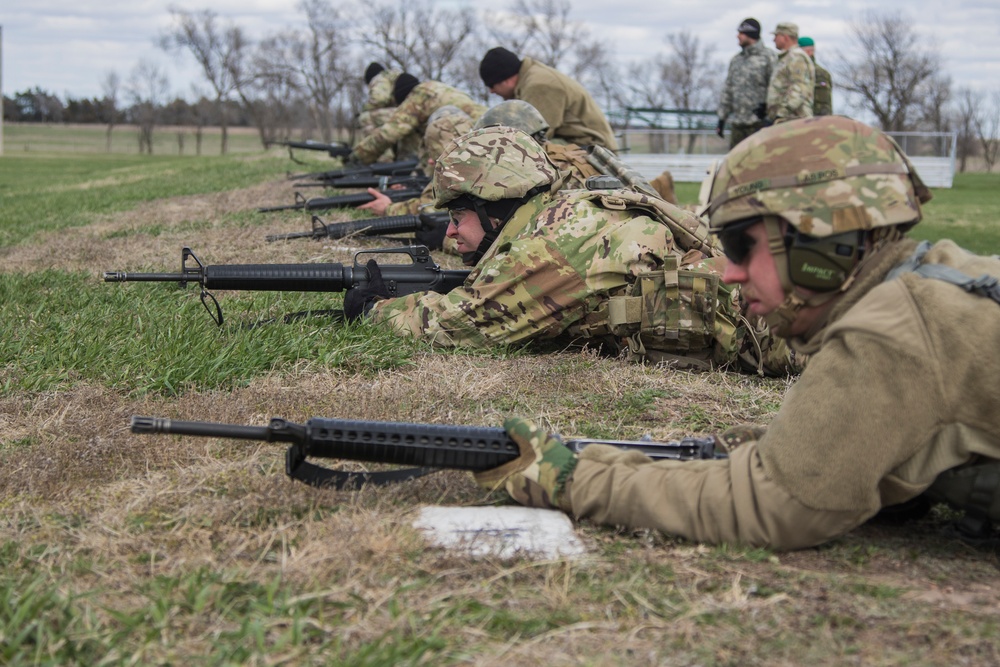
point(903, 386)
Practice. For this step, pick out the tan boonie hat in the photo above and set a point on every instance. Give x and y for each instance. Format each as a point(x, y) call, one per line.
point(790, 29)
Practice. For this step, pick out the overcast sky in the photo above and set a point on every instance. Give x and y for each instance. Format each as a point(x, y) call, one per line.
point(67, 46)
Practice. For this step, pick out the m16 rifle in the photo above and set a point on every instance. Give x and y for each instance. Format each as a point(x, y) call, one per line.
point(334, 150)
point(402, 167)
point(369, 181)
point(419, 274)
point(341, 201)
point(429, 223)
point(429, 446)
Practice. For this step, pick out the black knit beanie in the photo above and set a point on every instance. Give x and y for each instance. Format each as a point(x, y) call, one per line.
point(404, 84)
point(750, 28)
point(372, 71)
point(498, 65)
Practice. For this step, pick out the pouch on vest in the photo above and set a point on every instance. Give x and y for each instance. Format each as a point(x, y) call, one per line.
point(668, 314)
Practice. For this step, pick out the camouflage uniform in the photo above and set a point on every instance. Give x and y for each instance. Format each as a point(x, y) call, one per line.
point(583, 264)
point(790, 94)
point(822, 92)
point(903, 376)
point(571, 112)
point(378, 109)
point(411, 117)
point(745, 90)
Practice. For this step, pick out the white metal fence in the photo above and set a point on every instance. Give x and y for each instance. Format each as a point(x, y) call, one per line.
point(690, 154)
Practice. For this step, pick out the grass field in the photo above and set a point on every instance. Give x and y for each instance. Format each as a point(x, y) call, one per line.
point(125, 549)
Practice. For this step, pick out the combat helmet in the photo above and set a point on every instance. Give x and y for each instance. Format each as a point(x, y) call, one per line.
point(837, 183)
point(516, 113)
point(445, 124)
point(493, 171)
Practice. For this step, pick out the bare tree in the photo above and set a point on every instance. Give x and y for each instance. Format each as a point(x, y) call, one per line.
point(932, 106)
point(888, 70)
point(967, 110)
point(549, 34)
point(595, 68)
point(218, 52)
point(110, 86)
point(314, 63)
point(987, 124)
point(692, 73)
point(415, 37)
point(147, 90)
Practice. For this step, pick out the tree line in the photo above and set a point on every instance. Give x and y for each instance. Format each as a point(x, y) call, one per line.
point(305, 81)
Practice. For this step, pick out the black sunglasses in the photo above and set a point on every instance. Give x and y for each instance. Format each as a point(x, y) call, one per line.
point(736, 243)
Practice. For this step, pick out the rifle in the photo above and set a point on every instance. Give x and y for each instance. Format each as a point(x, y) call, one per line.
point(374, 169)
point(369, 181)
point(392, 224)
point(429, 446)
point(419, 275)
point(334, 150)
point(341, 201)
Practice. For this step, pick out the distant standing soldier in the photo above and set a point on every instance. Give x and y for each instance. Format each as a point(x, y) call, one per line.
point(743, 104)
point(415, 102)
point(823, 90)
point(572, 114)
point(790, 94)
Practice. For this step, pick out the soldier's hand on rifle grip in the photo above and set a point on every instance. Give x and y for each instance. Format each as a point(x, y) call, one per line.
point(359, 300)
point(539, 476)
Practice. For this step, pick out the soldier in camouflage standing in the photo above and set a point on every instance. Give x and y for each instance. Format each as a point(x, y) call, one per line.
point(415, 102)
point(898, 399)
point(790, 94)
point(606, 266)
point(743, 105)
point(823, 91)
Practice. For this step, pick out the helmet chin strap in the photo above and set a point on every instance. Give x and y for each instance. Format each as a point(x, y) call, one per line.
point(781, 319)
point(503, 211)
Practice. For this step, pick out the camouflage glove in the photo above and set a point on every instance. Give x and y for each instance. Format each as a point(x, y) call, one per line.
point(538, 476)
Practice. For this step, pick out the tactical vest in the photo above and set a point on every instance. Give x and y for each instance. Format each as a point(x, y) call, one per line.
point(972, 487)
point(668, 314)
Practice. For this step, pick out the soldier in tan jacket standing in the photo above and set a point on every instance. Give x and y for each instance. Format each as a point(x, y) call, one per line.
point(898, 398)
point(572, 114)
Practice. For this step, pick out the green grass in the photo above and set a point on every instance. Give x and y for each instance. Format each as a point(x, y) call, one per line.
point(52, 193)
point(43, 138)
point(155, 337)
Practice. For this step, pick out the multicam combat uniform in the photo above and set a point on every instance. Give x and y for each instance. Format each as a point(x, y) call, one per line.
point(614, 266)
point(411, 117)
point(745, 91)
point(550, 272)
point(571, 112)
point(378, 109)
point(790, 94)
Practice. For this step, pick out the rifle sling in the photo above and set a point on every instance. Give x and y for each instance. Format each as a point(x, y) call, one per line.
point(323, 478)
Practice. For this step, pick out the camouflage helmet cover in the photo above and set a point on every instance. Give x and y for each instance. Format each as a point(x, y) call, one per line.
point(825, 175)
point(445, 124)
point(492, 164)
point(514, 113)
